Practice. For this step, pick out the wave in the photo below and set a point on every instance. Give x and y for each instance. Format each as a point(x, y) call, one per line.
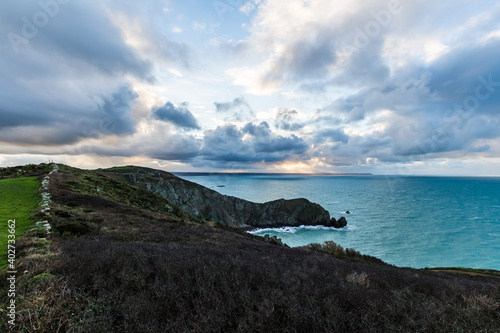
point(292, 230)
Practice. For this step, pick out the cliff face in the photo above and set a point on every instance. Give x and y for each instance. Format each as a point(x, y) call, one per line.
point(205, 203)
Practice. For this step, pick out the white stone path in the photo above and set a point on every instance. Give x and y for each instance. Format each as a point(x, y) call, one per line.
point(46, 200)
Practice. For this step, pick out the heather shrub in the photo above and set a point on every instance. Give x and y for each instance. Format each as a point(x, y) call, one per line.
point(73, 228)
point(360, 279)
point(337, 251)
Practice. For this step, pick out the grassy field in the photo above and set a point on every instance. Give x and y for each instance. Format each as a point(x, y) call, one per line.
point(18, 198)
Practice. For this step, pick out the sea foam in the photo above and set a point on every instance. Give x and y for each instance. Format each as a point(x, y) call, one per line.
point(292, 230)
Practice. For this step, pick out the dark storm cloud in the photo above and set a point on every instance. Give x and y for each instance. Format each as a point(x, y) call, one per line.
point(228, 143)
point(261, 131)
point(265, 142)
point(77, 32)
point(280, 144)
point(107, 115)
point(115, 112)
point(167, 146)
point(238, 109)
point(469, 76)
point(177, 115)
point(65, 78)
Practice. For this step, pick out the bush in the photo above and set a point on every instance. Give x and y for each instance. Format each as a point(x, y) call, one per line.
point(359, 279)
point(273, 240)
point(62, 213)
point(73, 228)
point(337, 251)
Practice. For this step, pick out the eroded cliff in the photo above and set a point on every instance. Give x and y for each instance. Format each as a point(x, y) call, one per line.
point(205, 203)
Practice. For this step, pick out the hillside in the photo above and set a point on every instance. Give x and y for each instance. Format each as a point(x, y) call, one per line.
point(120, 258)
point(202, 202)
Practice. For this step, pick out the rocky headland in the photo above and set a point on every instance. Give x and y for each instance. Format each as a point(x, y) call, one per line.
point(204, 203)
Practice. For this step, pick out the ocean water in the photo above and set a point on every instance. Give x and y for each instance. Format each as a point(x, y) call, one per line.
point(405, 221)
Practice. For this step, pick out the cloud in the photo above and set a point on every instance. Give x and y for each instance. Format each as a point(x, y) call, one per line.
point(331, 135)
point(144, 28)
point(319, 49)
point(469, 76)
point(67, 80)
point(179, 116)
point(307, 58)
point(254, 143)
point(248, 7)
point(260, 131)
point(387, 104)
point(167, 146)
point(284, 120)
point(51, 124)
point(238, 109)
point(68, 35)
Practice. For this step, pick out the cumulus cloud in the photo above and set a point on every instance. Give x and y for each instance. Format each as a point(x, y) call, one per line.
point(331, 135)
point(321, 46)
point(238, 109)
point(254, 143)
point(441, 90)
point(469, 76)
point(57, 125)
point(285, 120)
point(67, 36)
point(66, 79)
point(167, 146)
point(177, 115)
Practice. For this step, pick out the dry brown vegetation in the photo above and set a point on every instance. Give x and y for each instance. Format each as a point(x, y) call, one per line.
point(133, 266)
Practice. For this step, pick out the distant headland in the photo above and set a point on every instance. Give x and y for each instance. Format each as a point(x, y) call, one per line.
point(268, 174)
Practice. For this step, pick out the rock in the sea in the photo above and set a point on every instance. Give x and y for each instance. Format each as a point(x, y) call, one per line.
point(331, 222)
point(348, 212)
point(340, 223)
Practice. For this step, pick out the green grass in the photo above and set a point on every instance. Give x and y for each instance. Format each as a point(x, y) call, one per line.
point(18, 198)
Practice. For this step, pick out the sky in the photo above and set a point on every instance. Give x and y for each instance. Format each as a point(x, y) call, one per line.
point(379, 86)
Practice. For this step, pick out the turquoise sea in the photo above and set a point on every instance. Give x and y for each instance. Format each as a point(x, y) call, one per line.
point(405, 221)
